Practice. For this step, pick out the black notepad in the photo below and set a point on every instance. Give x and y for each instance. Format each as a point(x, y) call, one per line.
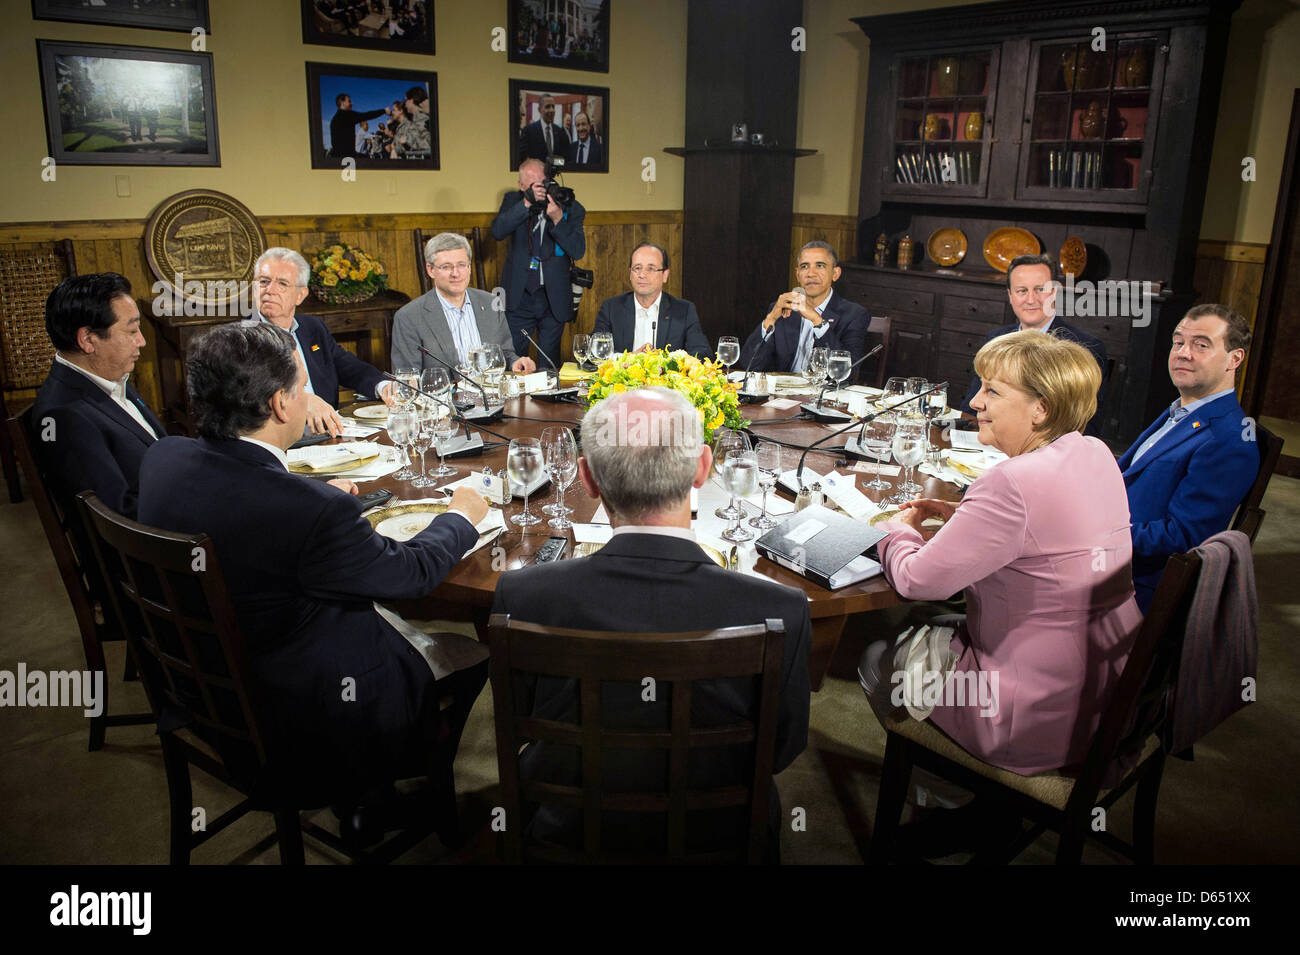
point(819, 544)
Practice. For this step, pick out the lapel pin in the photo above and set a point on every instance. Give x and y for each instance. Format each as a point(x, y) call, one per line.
point(315, 348)
point(1196, 424)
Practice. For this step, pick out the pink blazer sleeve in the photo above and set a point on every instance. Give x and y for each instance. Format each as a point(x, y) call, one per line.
point(986, 532)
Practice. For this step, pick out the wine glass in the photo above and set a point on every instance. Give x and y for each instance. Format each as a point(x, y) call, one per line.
point(724, 440)
point(817, 362)
point(400, 422)
point(894, 394)
point(728, 350)
point(524, 465)
point(839, 365)
point(740, 478)
point(560, 455)
point(601, 346)
point(421, 439)
point(408, 380)
point(435, 381)
point(876, 439)
point(496, 366)
point(443, 422)
point(934, 405)
point(581, 345)
point(767, 454)
point(909, 451)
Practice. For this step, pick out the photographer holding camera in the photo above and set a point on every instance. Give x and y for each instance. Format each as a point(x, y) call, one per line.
point(544, 223)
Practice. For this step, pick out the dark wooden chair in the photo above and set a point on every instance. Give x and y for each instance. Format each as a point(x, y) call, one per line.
point(171, 592)
point(1131, 727)
point(475, 237)
point(90, 605)
point(591, 658)
point(1270, 449)
point(1248, 522)
point(27, 276)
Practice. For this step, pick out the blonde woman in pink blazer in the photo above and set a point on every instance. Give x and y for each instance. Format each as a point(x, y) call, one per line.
point(1041, 546)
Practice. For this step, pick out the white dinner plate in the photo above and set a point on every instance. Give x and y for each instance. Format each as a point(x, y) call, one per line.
point(371, 413)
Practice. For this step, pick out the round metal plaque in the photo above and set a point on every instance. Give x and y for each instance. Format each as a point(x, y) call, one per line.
point(202, 245)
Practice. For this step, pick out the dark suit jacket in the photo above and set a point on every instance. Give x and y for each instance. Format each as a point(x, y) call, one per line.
point(532, 141)
point(679, 325)
point(343, 130)
point(561, 244)
point(595, 152)
point(1069, 333)
point(329, 365)
point(303, 568)
point(848, 330)
point(423, 322)
point(1187, 486)
point(645, 583)
point(95, 444)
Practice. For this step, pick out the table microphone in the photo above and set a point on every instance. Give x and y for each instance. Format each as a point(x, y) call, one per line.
point(489, 414)
point(548, 358)
point(853, 424)
point(442, 401)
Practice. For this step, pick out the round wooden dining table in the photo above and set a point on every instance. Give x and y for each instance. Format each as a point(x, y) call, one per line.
point(467, 592)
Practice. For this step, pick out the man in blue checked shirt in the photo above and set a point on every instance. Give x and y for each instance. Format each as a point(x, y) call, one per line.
point(452, 318)
point(1190, 469)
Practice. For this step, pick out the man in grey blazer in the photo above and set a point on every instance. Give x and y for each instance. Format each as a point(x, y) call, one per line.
point(453, 318)
point(649, 314)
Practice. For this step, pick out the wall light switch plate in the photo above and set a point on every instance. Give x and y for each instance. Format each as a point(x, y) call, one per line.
point(123, 184)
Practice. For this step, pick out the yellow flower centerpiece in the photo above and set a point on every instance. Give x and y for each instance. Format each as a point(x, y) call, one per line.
point(343, 274)
point(703, 381)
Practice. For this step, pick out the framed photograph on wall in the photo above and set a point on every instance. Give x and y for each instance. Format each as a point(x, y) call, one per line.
point(402, 26)
point(573, 35)
point(560, 119)
point(381, 119)
point(180, 15)
point(128, 105)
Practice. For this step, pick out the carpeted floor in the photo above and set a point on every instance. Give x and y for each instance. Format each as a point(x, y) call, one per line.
point(1237, 803)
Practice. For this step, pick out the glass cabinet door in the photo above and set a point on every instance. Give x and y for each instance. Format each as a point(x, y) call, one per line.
point(1090, 119)
point(943, 109)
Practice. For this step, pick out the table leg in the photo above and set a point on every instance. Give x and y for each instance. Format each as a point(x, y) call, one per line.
point(826, 633)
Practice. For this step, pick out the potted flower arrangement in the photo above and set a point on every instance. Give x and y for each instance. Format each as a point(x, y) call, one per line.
point(343, 275)
point(704, 382)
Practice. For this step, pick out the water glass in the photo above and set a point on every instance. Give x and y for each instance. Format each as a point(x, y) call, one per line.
point(728, 350)
point(602, 346)
point(817, 363)
point(724, 440)
point(909, 451)
point(839, 365)
point(401, 421)
point(740, 478)
point(404, 388)
point(524, 464)
point(876, 439)
point(560, 455)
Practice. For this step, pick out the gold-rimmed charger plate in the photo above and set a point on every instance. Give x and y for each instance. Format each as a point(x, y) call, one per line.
point(377, 412)
point(590, 547)
point(946, 246)
point(401, 522)
point(883, 516)
point(1003, 245)
point(299, 468)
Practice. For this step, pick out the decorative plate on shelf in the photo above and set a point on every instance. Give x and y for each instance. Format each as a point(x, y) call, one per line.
point(1074, 256)
point(946, 246)
point(1003, 245)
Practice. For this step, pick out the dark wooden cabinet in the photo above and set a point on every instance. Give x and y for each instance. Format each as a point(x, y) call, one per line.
point(1095, 118)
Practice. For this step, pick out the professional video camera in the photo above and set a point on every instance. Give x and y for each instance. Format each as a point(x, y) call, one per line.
point(562, 195)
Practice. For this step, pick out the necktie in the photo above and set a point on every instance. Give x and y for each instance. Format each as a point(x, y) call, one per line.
point(549, 148)
point(583, 158)
point(805, 347)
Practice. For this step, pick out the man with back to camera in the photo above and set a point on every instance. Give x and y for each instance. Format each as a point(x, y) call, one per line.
point(796, 324)
point(544, 241)
point(92, 428)
point(1032, 288)
point(303, 568)
point(648, 317)
point(1190, 469)
point(664, 583)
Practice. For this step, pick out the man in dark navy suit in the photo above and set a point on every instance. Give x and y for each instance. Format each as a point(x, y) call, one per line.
point(91, 429)
point(544, 241)
point(348, 702)
point(280, 277)
point(543, 137)
point(1032, 288)
point(586, 149)
point(648, 317)
point(796, 324)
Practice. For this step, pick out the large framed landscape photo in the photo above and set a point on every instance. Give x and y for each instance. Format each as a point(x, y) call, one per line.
point(181, 15)
point(378, 119)
point(578, 117)
point(402, 26)
point(128, 105)
point(570, 34)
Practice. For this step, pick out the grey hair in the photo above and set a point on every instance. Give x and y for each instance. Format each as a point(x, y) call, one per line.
point(232, 373)
point(280, 254)
point(643, 463)
point(446, 242)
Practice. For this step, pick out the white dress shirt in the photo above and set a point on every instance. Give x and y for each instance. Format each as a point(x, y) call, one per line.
point(463, 326)
point(115, 390)
point(682, 533)
point(646, 319)
point(807, 335)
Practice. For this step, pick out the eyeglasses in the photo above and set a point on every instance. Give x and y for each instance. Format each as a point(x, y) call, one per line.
point(280, 284)
point(454, 267)
point(646, 269)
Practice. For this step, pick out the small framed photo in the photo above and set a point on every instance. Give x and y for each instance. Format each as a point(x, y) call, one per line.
point(380, 119)
point(179, 15)
point(559, 119)
point(402, 26)
point(128, 105)
point(573, 35)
